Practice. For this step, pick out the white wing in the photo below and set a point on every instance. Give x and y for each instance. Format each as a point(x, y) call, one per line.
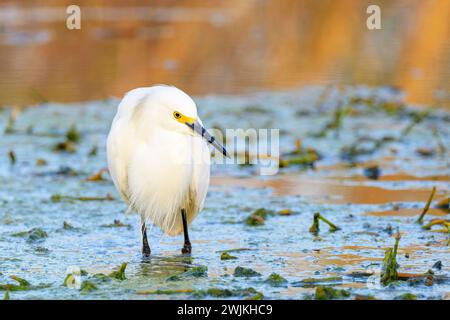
point(120, 141)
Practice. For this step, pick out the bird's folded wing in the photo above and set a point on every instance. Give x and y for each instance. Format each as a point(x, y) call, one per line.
point(118, 160)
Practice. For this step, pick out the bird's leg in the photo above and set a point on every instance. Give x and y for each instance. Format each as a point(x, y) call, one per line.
point(145, 247)
point(187, 248)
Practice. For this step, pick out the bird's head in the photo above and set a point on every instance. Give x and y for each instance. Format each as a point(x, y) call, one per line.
point(174, 110)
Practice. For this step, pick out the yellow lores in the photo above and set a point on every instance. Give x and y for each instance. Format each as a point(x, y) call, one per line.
point(181, 118)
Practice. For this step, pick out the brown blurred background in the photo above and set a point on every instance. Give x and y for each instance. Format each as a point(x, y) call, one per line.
point(212, 46)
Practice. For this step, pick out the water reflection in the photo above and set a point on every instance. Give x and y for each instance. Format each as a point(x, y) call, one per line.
point(221, 47)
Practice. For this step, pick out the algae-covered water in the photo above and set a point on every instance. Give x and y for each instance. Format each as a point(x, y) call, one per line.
point(366, 162)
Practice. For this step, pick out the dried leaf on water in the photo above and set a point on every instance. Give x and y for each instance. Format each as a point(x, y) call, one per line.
point(97, 176)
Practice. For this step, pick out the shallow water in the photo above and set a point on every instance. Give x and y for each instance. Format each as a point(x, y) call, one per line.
point(361, 207)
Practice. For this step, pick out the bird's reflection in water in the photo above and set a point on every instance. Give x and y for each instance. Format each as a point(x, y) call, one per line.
point(164, 267)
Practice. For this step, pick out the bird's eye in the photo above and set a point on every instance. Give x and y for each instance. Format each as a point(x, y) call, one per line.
point(177, 115)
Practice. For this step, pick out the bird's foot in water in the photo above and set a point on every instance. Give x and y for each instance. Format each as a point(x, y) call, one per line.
point(187, 248)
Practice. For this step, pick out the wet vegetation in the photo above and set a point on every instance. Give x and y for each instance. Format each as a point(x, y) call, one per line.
point(353, 173)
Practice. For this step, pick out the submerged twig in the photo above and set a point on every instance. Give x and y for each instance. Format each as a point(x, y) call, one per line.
point(427, 206)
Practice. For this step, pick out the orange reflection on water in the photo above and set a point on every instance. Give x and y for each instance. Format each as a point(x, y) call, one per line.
point(322, 190)
point(234, 46)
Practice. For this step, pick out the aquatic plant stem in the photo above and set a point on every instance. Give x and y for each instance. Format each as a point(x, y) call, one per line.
point(333, 227)
point(389, 272)
point(427, 206)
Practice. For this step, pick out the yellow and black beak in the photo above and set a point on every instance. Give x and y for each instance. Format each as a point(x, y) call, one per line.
point(199, 129)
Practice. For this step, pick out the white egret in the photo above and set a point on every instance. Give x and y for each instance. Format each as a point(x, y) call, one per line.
point(159, 160)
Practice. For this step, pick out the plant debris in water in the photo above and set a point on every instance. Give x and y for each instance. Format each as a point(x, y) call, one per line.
point(313, 282)
point(196, 272)
point(227, 256)
point(226, 293)
point(406, 296)
point(372, 172)
point(427, 206)
point(67, 226)
point(59, 198)
point(119, 274)
point(389, 270)
point(258, 217)
point(329, 293)
point(33, 235)
point(315, 226)
point(23, 285)
point(276, 280)
point(245, 272)
point(299, 157)
point(70, 143)
point(116, 224)
point(97, 176)
point(87, 286)
point(12, 157)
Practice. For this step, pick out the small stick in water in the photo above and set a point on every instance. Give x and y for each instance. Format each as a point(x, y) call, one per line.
point(427, 206)
point(315, 226)
point(333, 227)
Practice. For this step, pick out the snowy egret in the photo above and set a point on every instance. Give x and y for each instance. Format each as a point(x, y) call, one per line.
point(159, 159)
